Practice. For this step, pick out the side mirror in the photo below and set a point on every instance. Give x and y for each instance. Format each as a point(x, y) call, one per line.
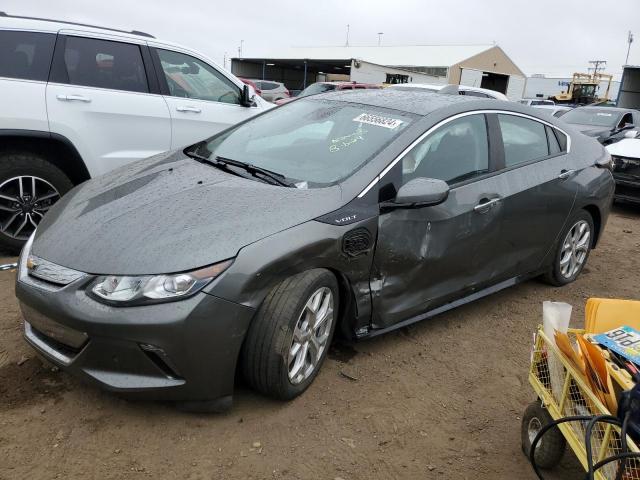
point(631, 134)
point(247, 97)
point(422, 192)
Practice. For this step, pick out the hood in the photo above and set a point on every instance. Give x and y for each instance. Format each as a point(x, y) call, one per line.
point(627, 147)
point(169, 214)
point(591, 131)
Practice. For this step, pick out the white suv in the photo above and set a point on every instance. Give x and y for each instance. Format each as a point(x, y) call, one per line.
point(78, 101)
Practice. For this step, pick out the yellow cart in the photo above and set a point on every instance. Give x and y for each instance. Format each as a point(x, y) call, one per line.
point(570, 397)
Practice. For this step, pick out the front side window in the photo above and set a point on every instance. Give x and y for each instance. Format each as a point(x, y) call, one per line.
point(313, 143)
point(104, 64)
point(456, 152)
point(188, 77)
point(26, 55)
point(524, 139)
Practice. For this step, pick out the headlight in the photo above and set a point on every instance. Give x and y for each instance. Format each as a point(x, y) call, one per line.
point(136, 290)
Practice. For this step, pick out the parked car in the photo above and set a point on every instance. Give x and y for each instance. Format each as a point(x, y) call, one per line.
point(536, 102)
point(606, 124)
point(358, 212)
point(323, 87)
point(453, 89)
point(272, 91)
point(553, 110)
point(78, 101)
point(252, 84)
point(626, 167)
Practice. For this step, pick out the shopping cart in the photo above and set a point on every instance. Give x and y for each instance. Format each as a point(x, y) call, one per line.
point(568, 394)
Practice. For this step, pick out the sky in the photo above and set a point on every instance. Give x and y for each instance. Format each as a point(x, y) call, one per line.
point(555, 38)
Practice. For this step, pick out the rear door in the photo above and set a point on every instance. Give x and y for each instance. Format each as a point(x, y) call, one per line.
point(202, 100)
point(428, 256)
point(100, 97)
point(537, 190)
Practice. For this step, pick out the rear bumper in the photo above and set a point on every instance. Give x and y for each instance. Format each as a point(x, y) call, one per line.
point(185, 350)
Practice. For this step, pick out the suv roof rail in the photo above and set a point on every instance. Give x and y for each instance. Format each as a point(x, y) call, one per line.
point(131, 32)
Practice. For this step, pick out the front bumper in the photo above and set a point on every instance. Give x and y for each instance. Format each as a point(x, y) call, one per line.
point(184, 350)
point(627, 189)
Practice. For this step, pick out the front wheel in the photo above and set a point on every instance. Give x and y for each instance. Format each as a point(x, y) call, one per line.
point(572, 251)
point(291, 333)
point(29, 186)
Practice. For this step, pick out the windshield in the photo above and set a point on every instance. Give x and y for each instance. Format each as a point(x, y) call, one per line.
point(316, 88)
point(599, 117)
point(313, 142)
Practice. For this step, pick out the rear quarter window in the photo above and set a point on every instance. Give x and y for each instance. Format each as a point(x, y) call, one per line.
point(26, 55)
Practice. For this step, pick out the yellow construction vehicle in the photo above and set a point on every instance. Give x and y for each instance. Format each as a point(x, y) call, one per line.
point(583, 89)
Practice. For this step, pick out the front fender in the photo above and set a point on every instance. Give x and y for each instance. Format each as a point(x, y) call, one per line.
point(262, 265)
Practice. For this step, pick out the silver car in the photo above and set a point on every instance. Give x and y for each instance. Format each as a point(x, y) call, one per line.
point(272, 91)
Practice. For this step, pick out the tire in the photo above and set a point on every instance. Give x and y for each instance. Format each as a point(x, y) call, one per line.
point(551, 446)
point(268, 362)
point(50, 182)
point(560, 272)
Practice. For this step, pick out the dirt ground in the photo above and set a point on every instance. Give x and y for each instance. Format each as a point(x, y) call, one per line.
point(442, 399)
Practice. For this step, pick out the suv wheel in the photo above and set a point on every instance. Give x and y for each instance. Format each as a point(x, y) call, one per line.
point(289, 338)
point(29, 186)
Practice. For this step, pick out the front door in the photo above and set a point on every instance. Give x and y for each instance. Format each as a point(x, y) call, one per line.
point(428, 256)
point(202, 101)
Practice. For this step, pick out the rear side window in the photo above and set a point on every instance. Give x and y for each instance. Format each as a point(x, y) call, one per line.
point(554, 145)
point(524, 139)
point(104, 64)
point(26, 55)
point(470, 93)
point(269, 86)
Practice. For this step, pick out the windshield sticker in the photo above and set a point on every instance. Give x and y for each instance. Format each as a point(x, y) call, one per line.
point(378, 120)
point(600, 114)
point(340, 143)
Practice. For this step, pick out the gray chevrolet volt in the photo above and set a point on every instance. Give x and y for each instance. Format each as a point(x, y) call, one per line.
point(351, 213)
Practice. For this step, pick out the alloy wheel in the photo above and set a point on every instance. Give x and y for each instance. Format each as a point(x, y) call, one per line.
point(311, 335)
point(575, 249)
point(23, 202)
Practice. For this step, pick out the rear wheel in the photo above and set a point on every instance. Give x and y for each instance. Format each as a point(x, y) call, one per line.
point(29, 186)
point(572, 251)
point(290, 336)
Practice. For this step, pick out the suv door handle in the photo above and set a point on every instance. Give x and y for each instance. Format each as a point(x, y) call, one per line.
point(484, 207)
point(188, 109)
point(73, 98)
point(564, 174)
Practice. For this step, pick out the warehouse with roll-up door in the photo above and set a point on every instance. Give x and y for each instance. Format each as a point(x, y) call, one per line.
point(486, 66)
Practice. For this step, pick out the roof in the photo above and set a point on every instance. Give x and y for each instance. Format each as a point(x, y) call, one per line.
point(418, 103)
point(388, 55)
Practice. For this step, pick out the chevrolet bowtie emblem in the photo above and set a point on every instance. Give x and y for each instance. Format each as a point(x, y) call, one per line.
point(31, 265)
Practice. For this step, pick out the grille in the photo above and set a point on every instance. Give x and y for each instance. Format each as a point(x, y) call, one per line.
point(356, 242)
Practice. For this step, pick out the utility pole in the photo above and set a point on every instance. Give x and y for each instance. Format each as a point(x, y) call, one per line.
point(240, 49)
point(380, 38)
point(596, 65)
point(629, 41)
point(347, 43)
point(224, 60)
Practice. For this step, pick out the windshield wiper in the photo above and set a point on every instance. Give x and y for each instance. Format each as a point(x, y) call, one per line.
point(278, 178)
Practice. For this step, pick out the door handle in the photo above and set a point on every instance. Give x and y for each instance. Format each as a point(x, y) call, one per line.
point(564, 174)
point(486, 206)
point(188, 109)
point(73, 98)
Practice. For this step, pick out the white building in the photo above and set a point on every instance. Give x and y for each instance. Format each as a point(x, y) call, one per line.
point(486, 66)
point(545, 87)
